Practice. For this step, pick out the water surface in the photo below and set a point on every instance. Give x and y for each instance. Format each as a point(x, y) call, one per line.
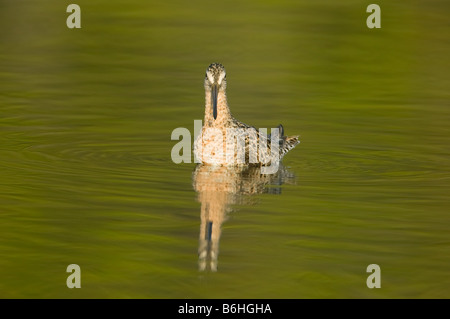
point(87, 178)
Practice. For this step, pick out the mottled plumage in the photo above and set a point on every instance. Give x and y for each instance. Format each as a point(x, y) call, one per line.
point(217, 122)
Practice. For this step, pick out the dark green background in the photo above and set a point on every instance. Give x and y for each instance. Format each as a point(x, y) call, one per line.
point(86, 176)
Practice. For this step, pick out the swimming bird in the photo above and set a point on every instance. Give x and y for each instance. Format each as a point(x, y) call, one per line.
point(212, 146)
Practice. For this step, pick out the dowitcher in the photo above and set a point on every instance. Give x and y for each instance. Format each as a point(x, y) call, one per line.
point(217, 124)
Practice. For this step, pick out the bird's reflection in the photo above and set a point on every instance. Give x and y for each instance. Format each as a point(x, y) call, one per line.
point(218, 188)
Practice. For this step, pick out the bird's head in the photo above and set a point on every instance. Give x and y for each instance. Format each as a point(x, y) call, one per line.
point(215, 80)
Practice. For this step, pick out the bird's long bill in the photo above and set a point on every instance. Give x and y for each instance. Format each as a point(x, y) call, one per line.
point(214, 93)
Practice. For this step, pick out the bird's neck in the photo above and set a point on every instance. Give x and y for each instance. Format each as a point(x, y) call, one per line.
point(223, 111)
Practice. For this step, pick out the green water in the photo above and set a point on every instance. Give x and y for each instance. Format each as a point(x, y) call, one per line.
point(86, 175)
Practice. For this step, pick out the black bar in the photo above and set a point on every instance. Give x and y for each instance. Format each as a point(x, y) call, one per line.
point(229, 308)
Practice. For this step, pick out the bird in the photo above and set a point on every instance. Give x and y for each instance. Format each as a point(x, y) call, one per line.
point(213, 145)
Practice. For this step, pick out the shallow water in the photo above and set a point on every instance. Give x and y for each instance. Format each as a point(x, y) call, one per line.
point(87, 177)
